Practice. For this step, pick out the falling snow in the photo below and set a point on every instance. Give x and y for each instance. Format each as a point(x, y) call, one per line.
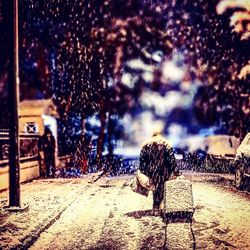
point(118, 71)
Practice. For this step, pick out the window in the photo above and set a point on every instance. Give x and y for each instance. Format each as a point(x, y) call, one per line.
point(31, 128)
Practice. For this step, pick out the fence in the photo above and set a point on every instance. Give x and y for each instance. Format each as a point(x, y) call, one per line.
point(29, 158)
point(28, 147)
point(206, 163)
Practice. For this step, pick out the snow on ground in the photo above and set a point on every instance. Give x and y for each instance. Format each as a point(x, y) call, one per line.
point(222, 218)
point(112, 217)
point(46, 199)
point(108, 215)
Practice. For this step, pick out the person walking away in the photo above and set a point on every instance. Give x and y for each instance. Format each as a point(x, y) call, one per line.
point(157, 161)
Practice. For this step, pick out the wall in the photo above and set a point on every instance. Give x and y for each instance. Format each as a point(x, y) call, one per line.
point(23, 120)
point(28, 171)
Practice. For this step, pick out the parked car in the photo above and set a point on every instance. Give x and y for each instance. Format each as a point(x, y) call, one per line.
point(242, 163)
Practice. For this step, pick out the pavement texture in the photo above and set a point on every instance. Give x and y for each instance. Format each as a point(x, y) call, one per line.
point(106, 214)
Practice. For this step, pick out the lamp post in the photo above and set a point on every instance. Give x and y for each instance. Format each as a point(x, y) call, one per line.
point(13, 103)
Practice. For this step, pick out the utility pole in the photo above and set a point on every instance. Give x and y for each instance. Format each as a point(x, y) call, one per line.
point(13, 103)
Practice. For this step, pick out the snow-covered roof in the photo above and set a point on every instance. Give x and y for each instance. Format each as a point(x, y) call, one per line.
point(222, 144)
point(38, 107)
point(244, 147)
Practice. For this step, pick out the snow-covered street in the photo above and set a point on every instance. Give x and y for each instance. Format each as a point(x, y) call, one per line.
point(124, 125)
point(75, 214)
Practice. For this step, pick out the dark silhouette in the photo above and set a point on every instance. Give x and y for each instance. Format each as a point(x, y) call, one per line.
point(47, 146)
point(157, 161)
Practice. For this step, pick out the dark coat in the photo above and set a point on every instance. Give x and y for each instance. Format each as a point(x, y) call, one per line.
point(48, 144)
point(157, 161)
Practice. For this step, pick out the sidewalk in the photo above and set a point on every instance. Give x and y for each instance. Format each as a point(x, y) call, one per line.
point(62, 212)
point(46, 200)
point(107, 216)
point(76, 214)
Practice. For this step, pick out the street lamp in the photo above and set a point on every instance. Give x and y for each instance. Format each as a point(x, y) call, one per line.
point(13, 104)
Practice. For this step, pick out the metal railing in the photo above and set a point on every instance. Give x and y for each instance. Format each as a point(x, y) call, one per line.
point(28, 147)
